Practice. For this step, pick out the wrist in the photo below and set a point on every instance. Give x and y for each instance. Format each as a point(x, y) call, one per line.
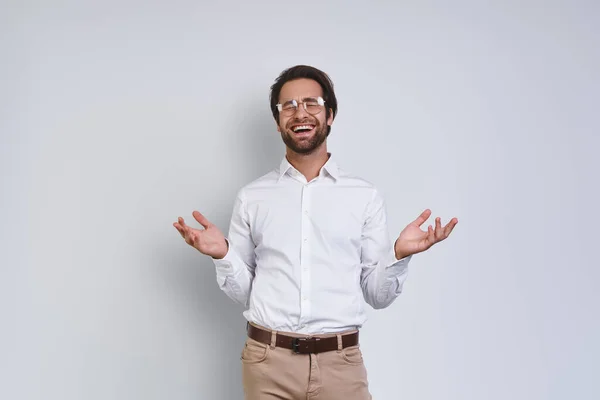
point(400, 256)
point(222, 252)
point(398, 253)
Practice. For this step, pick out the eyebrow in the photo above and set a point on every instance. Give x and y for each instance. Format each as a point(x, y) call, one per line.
point(302, 99)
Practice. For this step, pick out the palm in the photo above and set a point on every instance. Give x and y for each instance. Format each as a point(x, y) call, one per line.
point(414, 240)
point(209, 241)
point(204, 240)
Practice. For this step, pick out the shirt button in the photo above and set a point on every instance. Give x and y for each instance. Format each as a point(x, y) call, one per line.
point(305, 240)
point(306, 212)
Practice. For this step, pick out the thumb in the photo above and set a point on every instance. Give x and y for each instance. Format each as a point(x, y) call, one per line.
point(202, 219)
point(422, 218)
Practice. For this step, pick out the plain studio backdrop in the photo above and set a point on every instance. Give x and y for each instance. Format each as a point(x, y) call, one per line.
point(118, 117)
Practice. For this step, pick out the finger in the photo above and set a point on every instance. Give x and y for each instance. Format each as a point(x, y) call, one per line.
point(193, 238)
point(190, 237)
point(450, 226)
point(423, 217)
point(439, 233)
point(430, 235)
point(182, 231)
point(186, 229)
point(179, 229)
point(201, 219)
point(182, 223)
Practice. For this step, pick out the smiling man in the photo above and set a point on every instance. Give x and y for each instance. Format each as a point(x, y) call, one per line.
point(303, 135)
point(308, 247)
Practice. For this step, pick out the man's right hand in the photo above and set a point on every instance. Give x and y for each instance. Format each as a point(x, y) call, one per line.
point(209, 241)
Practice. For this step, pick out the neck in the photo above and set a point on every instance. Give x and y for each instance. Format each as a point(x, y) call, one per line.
point(308, 165)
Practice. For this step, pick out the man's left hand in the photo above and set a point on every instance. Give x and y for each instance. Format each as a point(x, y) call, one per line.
point(413, 240)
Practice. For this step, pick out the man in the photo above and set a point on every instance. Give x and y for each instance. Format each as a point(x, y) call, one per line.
point(308, 245)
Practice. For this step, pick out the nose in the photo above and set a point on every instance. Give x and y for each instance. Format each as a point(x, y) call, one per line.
point(300, 111)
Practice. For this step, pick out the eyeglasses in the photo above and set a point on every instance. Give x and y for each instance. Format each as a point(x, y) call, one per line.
point(312, 105)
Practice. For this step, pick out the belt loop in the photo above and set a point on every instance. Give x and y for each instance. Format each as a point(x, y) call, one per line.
point(273, 338)
point(339, 340)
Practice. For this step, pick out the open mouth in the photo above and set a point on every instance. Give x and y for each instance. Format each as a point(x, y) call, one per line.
point(303, 129)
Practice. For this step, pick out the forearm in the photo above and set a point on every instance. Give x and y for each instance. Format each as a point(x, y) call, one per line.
point(234, 276)
point(382, 283)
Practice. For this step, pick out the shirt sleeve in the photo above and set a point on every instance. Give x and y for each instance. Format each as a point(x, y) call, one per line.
point(382, 275)
point(235, 271)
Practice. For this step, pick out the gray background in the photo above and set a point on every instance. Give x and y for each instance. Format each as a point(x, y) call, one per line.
point(117, 117)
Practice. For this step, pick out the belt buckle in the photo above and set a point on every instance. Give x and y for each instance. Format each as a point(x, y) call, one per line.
point(310, 349)
point(296, 344)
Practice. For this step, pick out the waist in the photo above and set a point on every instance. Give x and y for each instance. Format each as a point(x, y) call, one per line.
point(308, 311)
point(303, 344)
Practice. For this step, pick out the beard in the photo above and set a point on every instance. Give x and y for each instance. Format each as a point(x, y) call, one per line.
point(304, 145)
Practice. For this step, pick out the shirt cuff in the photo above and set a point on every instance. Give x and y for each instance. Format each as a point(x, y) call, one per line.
point(225, 266)
point(395, 266)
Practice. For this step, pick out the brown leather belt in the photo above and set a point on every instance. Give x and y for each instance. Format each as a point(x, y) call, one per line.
point(302, 345)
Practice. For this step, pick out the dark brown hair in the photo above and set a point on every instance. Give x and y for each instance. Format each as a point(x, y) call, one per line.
point(308, 72)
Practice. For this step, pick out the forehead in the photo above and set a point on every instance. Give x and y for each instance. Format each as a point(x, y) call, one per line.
point(300, 88)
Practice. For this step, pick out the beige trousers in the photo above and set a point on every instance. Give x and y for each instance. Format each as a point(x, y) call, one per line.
point(270, 373)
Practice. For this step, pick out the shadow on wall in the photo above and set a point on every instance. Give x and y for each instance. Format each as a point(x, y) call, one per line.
point(219, 321)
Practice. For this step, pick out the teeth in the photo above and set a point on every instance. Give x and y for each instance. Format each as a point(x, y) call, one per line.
point(297, 128)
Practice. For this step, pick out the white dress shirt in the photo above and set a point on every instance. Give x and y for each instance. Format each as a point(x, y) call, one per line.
point(305, 256)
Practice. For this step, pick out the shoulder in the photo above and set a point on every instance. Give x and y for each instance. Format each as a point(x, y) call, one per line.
point(266, 181)
point(349, 179)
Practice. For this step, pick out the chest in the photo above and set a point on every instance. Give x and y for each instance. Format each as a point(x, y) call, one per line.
point(296, 213)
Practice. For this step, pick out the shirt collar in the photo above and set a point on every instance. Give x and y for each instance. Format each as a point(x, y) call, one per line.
point(330, 167)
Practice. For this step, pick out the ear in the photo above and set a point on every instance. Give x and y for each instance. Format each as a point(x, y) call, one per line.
point(330, 119)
